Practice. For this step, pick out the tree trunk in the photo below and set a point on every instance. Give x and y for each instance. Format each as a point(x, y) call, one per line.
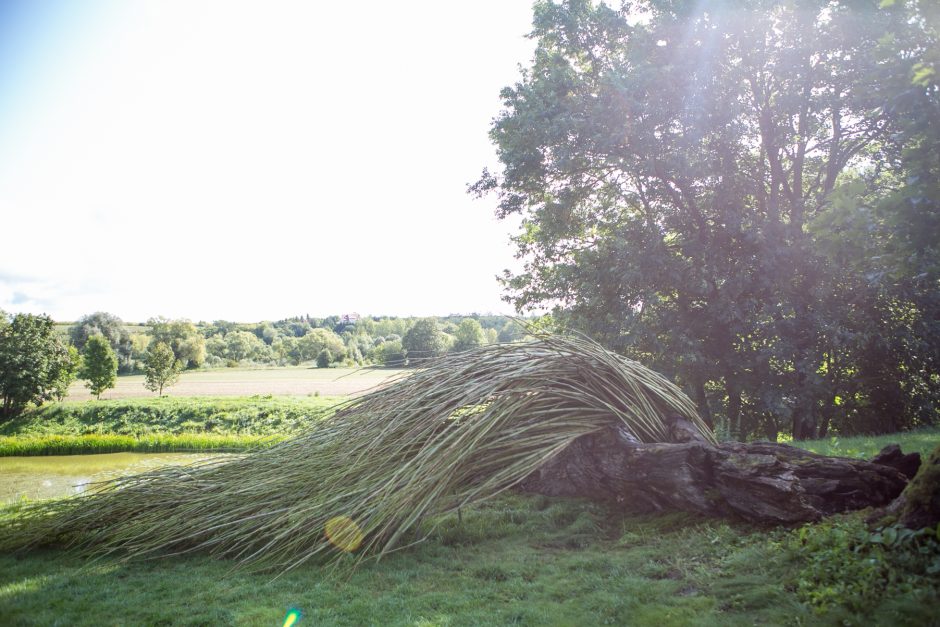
point(760, 482)
point(734, 405)
point(701, 402)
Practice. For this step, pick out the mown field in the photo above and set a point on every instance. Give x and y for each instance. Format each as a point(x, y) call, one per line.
point(296, 381)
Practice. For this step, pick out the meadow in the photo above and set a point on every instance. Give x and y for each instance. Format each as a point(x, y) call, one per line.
point(517, 560)
point(288, 381)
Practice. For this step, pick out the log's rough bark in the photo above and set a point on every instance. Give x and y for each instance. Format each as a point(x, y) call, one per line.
point(761, 482)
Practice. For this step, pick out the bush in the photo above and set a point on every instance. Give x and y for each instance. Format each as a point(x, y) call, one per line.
point(844, 565)
point(138, 417)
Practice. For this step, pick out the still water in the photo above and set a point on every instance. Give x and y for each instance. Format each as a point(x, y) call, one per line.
point(43, 477)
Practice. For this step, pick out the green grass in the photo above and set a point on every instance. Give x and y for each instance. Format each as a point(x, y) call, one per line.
point(514, 561)
point(151, 443)
point(262, 415)
point(921, 441)
point(520, 560)
point(158, 425)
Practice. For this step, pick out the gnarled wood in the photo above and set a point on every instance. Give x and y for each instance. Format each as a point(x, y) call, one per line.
point(761, 482)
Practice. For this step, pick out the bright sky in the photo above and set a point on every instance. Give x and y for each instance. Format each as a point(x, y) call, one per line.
point(252, 160)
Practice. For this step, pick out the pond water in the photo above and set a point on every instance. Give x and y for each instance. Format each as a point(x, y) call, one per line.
point(43, 477)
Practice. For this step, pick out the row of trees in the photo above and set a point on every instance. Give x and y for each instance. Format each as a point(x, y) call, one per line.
point(745, 196)
point(99, 366)
point(38, 363)
point(326, 341)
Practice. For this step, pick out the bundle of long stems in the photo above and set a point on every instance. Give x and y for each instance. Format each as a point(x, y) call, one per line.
point(460, 430)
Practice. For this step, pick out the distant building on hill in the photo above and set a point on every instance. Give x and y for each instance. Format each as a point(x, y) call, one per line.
point(350, 318)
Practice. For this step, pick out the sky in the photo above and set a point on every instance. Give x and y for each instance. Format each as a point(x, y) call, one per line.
point(252, 161)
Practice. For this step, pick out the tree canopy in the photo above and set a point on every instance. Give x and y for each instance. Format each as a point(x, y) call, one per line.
point(182, 336)
point(699, 184)
point(161, 369)
point(99, 365)
point(469, 334)
point(112, 328)
point(424, 341)
point(35, 365)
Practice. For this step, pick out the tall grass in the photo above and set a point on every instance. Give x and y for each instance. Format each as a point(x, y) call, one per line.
point(113, 443)
point(866, 446)
point(220, 415)
point(463, 429)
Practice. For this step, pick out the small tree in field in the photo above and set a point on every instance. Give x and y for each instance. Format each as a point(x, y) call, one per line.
point(161, 368)
point(99, 365)
point(324, 358)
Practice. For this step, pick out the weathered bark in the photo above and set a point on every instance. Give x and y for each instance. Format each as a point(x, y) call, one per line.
point(891, 455)
point(761, 482)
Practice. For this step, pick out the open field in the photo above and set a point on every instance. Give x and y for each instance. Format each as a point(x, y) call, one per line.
point(297, 381)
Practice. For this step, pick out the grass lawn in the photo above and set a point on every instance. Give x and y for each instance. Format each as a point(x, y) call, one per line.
point(296, 381)
point(867, 446)
point(516, 561)
point(520, 560)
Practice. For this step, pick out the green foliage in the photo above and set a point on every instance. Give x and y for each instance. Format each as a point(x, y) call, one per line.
point(390, 353)
point(310, 345)
point(847, 567)
point(109, 326)
point(675, 176)
point(424, 341)
point(239, 346)
point(99, 365)
point(324, 358)
point(35, 366)
point(161, 369)
point(469, 335)
point(512, 331)
point(182, 336)
point(261, 416)
point(921, 497)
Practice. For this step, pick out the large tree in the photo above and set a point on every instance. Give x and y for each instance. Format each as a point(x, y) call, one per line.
point(669, 159)
point(182, 336)
point(314, 342)
point(424, 341)
point(112, 328)
point(469, 335)
point(35, 365)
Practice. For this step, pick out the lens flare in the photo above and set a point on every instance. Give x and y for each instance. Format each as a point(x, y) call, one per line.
point(344, 533)
point(293, 615)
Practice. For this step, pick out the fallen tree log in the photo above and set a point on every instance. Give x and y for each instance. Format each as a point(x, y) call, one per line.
point(760, 482)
